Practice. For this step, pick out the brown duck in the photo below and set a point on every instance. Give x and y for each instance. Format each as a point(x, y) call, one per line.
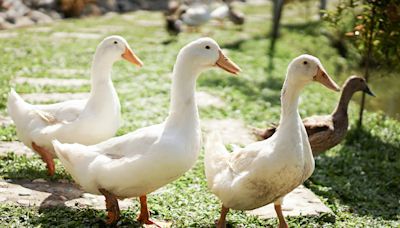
point(325, 132)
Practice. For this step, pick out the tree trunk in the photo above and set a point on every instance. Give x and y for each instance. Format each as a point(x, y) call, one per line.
point(367, 62)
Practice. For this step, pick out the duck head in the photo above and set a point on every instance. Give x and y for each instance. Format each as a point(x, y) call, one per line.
point(205, 53)
point(115, 48)
point(307, 68)
point(356, 83)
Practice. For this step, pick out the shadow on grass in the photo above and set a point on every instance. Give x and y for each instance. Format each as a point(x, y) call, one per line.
point(74, 217)
point(309, 28)
point(13, 166)
point(364, 175)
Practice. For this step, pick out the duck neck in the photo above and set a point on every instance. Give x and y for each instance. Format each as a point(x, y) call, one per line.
point(290, 100)
point(342, 106)
point(183, 106)
point(102, 85)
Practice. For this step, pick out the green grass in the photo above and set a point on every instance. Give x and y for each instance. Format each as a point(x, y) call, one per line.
point(359, 179)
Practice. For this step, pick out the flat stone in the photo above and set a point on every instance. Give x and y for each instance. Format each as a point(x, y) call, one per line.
point(89, 36)
point(300, 202)
point(53, 97)
point(17, 147)
point(2, 199)
point(149, 23)
point(23, 202)
point(69, 72)
point(40, 29)
point(24, 192)
point(232, 131)
point(52, 81)
point(162, 224)
point(52, 194)
point(205, 99)
point(39, 180)
point(5, 121)
point(6, 35)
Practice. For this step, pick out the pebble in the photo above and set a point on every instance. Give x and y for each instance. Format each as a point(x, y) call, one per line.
point(39, 180)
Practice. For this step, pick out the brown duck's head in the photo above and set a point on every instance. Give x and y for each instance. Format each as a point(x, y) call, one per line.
point(356, 83)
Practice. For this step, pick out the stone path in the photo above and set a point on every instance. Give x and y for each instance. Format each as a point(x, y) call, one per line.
point(205, 99)
point(76, 35)
point(42, 193)
point(232, 131)
point(54, 97)
point(17, 147)
point(69, 72)
point(52, 81)
point(299, 202)
point(5, 121)
point(7, 35)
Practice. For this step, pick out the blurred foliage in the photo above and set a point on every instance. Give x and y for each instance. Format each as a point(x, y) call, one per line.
point(357, 20)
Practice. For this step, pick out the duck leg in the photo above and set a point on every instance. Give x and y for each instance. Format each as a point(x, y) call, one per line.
point(112, 207)
point(144, 216)
point(222, 219)
point(281, 218)
point(46, 157)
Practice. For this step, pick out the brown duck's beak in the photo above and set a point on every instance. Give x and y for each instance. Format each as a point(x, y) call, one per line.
point(130, 56)
point(323, 78)
point(368, 91)
point(226, 64)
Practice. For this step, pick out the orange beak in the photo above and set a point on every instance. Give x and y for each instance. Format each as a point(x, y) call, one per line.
point(226, 64)
point(323, 78)
point(131, 57)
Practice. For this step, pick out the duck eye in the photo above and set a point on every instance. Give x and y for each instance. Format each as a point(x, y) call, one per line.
point(305, 62)
point(115, 42)
point(207, 47)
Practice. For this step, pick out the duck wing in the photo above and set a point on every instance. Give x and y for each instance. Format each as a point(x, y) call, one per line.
point(317, 124)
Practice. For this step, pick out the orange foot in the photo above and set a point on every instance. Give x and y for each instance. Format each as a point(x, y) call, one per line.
point(112, 207)
point(144, 217)
point(46, 157)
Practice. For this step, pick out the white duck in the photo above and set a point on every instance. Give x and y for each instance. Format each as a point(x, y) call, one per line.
point(264, 172)
point(138, 163)
point(85, 121)
point(196, 14)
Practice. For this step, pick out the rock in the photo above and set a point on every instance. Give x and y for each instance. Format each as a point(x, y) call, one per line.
point(39, 180)
point(300, 202)
point(3, 184)
point(39, 17)
point(40, 4)
point(232, 131)
point(2, 199)
point(5, 121)
point(15, 8)
point(16, 147)
point(205, 99)
point(125, 6)
point(23, 202)
point(23, 22)
point(107, 5)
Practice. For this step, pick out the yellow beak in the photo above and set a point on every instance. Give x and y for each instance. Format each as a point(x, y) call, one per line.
point(130, 56)
point(226, 64)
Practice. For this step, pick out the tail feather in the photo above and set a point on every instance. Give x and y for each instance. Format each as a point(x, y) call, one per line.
point(216, 156)
point(74, 157)
point(16, 106)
